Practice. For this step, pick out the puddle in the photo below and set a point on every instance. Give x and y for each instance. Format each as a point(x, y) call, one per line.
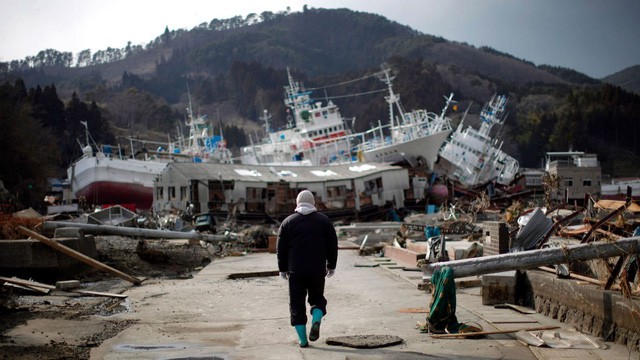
point(168, 347)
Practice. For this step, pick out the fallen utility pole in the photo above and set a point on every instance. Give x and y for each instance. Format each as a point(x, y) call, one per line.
point(533, 258)
point(138, 232)
point(78, 255)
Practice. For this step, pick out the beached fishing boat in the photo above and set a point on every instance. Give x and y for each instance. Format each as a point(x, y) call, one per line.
point(317, 133)
point(473, 157)
point(107, 176)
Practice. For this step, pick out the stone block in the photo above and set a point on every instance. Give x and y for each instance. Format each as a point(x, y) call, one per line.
point(67, 285)
point(499, 288)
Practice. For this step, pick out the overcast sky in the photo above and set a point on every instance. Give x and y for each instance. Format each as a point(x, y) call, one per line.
point(596, 37)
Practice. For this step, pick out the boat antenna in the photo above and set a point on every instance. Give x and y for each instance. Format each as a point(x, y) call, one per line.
point(446, 106)
point(393, 98)
point(465, 114)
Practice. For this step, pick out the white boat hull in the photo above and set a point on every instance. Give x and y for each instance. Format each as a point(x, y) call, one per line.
point(426, 147)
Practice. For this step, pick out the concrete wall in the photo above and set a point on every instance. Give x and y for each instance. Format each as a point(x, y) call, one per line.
point(589, 308)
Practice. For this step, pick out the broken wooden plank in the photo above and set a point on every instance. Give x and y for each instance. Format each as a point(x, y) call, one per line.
point(574, 276)
point(77, 255)
point(29, 288)
point(98, 293)
point(518, 308)
point(414, 310)
point(27, 283)
point(615, 272)
point(253, 274)
point(534, 258)
point(36, 285)
point(482, 333)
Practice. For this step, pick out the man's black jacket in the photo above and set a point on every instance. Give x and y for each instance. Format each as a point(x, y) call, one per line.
point(307, 244)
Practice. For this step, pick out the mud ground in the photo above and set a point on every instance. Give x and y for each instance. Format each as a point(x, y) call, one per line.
point(53, 317)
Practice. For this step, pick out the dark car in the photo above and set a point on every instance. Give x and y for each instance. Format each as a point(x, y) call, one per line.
point(205, 222)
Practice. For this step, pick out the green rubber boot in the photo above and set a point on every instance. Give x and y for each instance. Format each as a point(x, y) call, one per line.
point(302, 335)
point(316, 319)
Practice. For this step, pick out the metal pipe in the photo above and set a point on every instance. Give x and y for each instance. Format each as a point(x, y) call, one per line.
point(139, 232)
point(533, 258)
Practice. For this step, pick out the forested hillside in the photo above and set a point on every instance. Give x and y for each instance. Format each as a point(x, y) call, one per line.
point(233, 69)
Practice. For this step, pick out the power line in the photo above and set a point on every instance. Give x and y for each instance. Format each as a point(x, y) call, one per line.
point(350, 95)
point(344, 82)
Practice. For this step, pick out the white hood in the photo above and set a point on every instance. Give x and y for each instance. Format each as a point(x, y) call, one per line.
point(305, 208)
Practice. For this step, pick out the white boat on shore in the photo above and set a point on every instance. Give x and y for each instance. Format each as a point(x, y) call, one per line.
point(473, 157)
point(317, 134)
point(106, 177)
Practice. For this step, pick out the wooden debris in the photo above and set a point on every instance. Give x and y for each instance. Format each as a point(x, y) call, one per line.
point(37, 285)
point(518, 308)
point(414, 310)
point(97, 293)
point(77, 255)
point(253, 274)
point(482, 333)
point(27, 283)
point(574, 276)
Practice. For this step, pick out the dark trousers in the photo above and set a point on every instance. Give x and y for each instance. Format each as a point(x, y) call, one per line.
point(301, 285)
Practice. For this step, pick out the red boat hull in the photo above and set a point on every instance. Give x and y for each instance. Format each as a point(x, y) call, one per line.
point(109, 192)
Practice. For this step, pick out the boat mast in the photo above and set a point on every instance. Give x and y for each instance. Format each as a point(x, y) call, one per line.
point(393, 98)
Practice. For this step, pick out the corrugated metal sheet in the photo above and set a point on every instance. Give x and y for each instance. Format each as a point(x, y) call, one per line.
point(532, 232)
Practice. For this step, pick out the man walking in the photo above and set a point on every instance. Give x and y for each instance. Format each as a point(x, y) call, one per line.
point(307, 252)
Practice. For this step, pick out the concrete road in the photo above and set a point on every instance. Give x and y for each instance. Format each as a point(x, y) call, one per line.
point(213, 317)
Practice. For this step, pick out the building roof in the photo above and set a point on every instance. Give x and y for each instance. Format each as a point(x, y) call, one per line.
point(276, 173)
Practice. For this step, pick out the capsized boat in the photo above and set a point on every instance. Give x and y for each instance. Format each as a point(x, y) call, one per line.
point(473, 157)
point(109, 177)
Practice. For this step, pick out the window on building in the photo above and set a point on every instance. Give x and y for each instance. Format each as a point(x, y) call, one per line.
point(184, 193)
point(568, 182)
point(171, 192)
point(159, 193)
point(373, 186)
point(336, 192)
point(586, 182)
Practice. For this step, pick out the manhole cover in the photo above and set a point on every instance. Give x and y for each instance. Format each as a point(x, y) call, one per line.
point(364, 341)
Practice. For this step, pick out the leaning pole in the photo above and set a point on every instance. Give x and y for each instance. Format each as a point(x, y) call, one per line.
point(534, 258)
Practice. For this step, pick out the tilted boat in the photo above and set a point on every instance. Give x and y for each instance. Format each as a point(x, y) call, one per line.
point(473, 157)
point(412, 136)
point(109, 177)
point(317, 134)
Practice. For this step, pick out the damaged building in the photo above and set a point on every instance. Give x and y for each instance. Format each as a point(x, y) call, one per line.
point(579, 174)
point(360, 190)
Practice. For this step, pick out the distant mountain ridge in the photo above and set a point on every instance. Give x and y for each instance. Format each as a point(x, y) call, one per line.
point(628, 79)
point(320, 42)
